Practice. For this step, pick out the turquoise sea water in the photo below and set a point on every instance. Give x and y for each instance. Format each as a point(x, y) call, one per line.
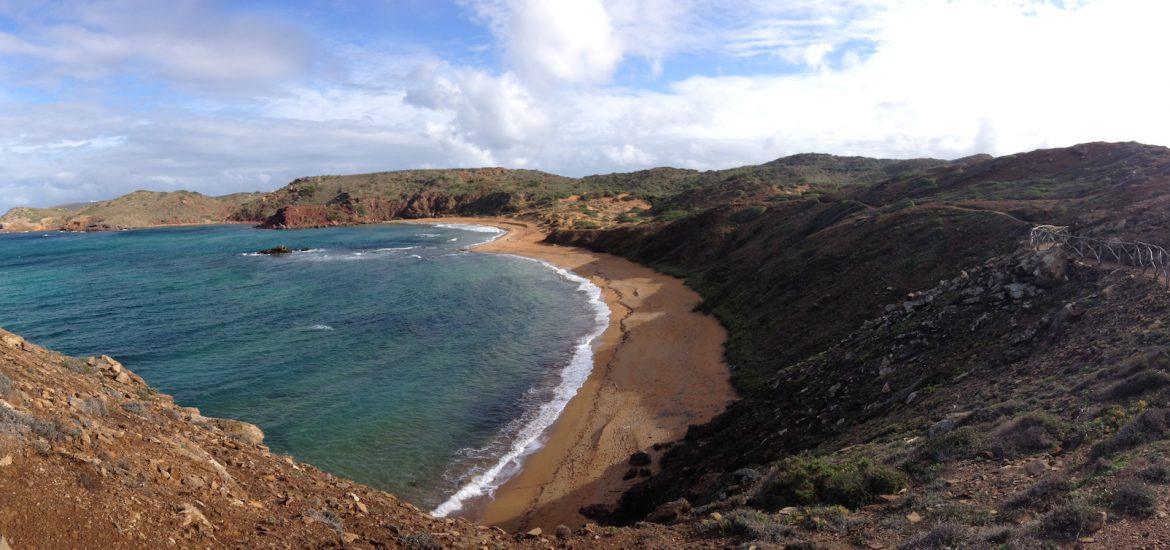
point(386, 354)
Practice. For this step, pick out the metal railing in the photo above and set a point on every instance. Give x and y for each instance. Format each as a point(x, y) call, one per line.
point(1149, 258)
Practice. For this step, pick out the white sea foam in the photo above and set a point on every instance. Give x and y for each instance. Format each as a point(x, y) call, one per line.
point(320, 327)
point(427, 235)
point(529, 438)
point(470, 227)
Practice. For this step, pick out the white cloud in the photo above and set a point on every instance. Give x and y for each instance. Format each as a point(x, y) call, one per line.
point(879, 78)
point(186, 42)
point(496, 112)
point(627, 155)
point(555, 41)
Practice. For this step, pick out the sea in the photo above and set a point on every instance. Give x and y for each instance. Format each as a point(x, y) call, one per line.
point(387, 354)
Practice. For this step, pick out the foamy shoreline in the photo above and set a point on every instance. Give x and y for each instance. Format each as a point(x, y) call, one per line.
point(656, 368)
point(529, 439)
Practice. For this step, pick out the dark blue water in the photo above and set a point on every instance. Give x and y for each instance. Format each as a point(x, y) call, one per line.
point(386, 354)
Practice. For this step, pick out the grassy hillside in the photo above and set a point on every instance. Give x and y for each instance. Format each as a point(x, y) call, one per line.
point(890, 335)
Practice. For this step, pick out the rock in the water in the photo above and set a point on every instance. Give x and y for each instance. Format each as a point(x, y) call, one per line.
point(640, 458)
point(670, 512)
point(281, 249)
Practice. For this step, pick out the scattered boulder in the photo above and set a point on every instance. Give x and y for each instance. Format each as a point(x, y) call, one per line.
point(1049, 268)
point(598, 512)
point(11, 340)
point(193, 518)
point(534, 533)
point(242, 431)
point(109, 364)
point(563, 532)
point(640, 458)
point(670, 512)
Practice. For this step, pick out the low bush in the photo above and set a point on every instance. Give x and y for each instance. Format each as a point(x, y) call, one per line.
point(328, 517)
point(5, 385)
point(956, 444)
point(834, 519)
point(1071, 521)
point(1029, 433)
point(748, 525)
point(1156, 472)
point(1137, 384)
point(1134, 500)
point(135, 407)
point(93, 407)
point(806, 480)
point(942, 536)
point(420, 541)
point(1041, 496)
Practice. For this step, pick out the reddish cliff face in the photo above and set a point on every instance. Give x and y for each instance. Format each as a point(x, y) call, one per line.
point(346, 209)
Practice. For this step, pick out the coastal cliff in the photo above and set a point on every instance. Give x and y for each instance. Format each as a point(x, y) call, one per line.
point(137, 209)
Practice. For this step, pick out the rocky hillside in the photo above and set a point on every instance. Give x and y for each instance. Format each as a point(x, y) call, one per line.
point(591, 202)
point(137, 209)
point(902, 335)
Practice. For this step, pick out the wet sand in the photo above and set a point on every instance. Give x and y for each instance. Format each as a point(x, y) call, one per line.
point(657, 369)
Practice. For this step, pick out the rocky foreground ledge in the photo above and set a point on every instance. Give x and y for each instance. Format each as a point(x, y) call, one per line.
point(92, 457)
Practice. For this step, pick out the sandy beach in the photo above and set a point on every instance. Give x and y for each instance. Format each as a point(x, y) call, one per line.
point(658, 368)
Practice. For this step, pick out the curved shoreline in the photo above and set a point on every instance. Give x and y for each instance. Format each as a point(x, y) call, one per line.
point(657, 368)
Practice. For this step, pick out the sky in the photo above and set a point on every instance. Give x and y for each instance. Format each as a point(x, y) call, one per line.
point(102, 97)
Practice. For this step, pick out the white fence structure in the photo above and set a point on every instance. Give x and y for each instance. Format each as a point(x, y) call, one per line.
point(1149, 258)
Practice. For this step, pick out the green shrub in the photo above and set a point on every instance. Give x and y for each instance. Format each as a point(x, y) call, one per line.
point(5, 385)
point(1151, 425)
point(1134, 500)
point(585, 224)
point(748, 214)
point(806, 480)
point(672, 215)
point(833, 519)
point(1105, 422)
point(956, 444)
point(746, 524)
